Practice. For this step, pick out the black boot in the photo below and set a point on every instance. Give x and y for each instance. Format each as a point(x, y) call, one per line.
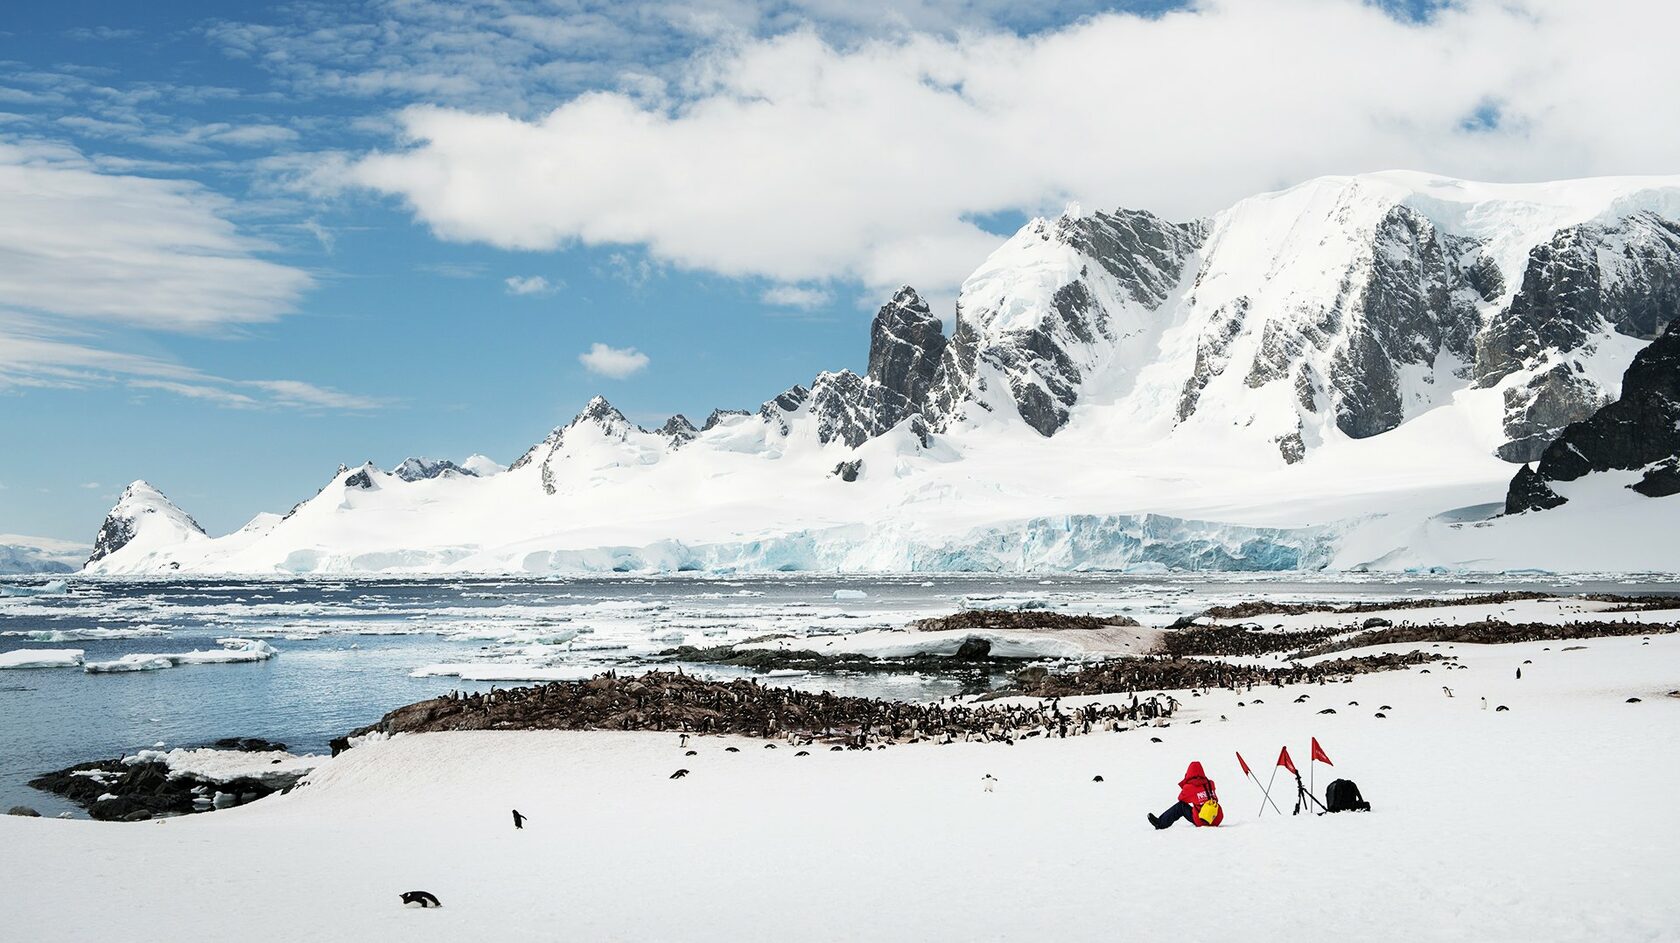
point(1154, 821)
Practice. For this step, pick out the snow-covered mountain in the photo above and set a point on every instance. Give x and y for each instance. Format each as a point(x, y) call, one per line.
point(22, 555)
point(144, 522)
point(1303, 379)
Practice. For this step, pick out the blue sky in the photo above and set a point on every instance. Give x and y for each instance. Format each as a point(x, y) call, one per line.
point(240, 244)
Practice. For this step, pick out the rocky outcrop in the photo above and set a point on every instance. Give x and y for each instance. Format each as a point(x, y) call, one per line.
point(362, 479)
point(679, 430)
point(1639, 431)
point(423, 469)
point(1587, 281)
point(719, 415)
point(1530, 492)
point(848, 470)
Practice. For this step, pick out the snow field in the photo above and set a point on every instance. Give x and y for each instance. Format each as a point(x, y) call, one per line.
point(1543, 822)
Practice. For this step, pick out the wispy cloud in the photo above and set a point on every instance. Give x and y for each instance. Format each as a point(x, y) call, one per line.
point(530, 285)
point(614, 363)
point(36, 354)
point(127, 249)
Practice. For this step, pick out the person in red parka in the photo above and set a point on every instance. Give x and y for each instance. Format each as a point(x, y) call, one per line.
point(1197, 801)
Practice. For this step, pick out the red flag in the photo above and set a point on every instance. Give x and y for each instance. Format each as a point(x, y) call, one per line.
point(1243, 765)
point(1319, 754)
point(1287, 763)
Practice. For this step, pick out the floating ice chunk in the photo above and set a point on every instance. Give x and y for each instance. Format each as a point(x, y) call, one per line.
point(82, 635)
point(1005, 601)
point(850, 594)
point(41, 658)
point(786, 673)
point(52, 588)
point(233, 651)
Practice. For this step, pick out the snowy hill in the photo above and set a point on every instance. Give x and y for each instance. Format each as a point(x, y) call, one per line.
point(1305, 379)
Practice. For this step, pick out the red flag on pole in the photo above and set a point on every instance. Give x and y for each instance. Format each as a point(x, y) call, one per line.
point(1243, 765)
point(1319, 754)
point(1287, 763)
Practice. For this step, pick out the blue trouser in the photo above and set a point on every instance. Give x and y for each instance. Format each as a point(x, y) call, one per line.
point(1179, 810)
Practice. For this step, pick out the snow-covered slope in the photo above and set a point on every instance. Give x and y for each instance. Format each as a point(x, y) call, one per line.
point(1305, 378)
point(144, 522)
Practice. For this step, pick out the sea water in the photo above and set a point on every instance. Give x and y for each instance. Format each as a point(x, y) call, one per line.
point(349, 649)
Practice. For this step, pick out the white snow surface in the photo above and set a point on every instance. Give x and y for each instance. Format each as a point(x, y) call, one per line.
point(1123, 486)
point(42, 658)
point(221, 766)
point(233, 651)
point(1487, 825)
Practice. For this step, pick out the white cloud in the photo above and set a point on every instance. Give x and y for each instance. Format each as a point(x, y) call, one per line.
point(128, 249)
point(91, 485)
point(613, 362)
point(529, 285)
point(35, 354)
point(796, 296)
point(795, 160)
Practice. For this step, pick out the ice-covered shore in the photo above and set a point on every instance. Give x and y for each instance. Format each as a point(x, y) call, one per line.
point(1488, 825)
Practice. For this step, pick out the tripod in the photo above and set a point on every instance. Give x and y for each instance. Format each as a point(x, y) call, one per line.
point(1304, 799)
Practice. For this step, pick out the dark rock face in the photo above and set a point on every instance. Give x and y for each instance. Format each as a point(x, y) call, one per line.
point(114, 534)
point(1412, 303)
point(679, 430)
point(1143, 253)
point(1529, 492)
point(906, 342)
point(361, 479)
point(973, 648)
point(24, 811)
point(1640, 430)
point(1660, 481)
point(422, 469)
point(1624, 276)
point(1417, 303)
point(848, 470)
point(854, 409)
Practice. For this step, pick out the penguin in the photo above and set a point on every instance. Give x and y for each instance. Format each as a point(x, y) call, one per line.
point(420, 899)
point(988, 781)
point(836, 749)
point(1484, 703)
point(692, 753)
point(1328, 710)
point(1154, 739)
point(1381, 716)
point(803, 753)
point(1632, 700)
point(1500, 708)
point(731, 749)
point(1519, 673)
point(518, 819)
point(1446, 690)
point(679, 774)
point(682, 740)
point(1097, 778)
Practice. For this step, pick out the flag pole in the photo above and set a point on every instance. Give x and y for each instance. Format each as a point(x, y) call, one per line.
point(1267, 792)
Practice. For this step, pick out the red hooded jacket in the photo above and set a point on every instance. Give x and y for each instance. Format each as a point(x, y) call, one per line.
point(1195, 788)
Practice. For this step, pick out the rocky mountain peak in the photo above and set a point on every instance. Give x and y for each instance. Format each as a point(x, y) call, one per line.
point(679, 430)
point(142, 513)
point(906, 342)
